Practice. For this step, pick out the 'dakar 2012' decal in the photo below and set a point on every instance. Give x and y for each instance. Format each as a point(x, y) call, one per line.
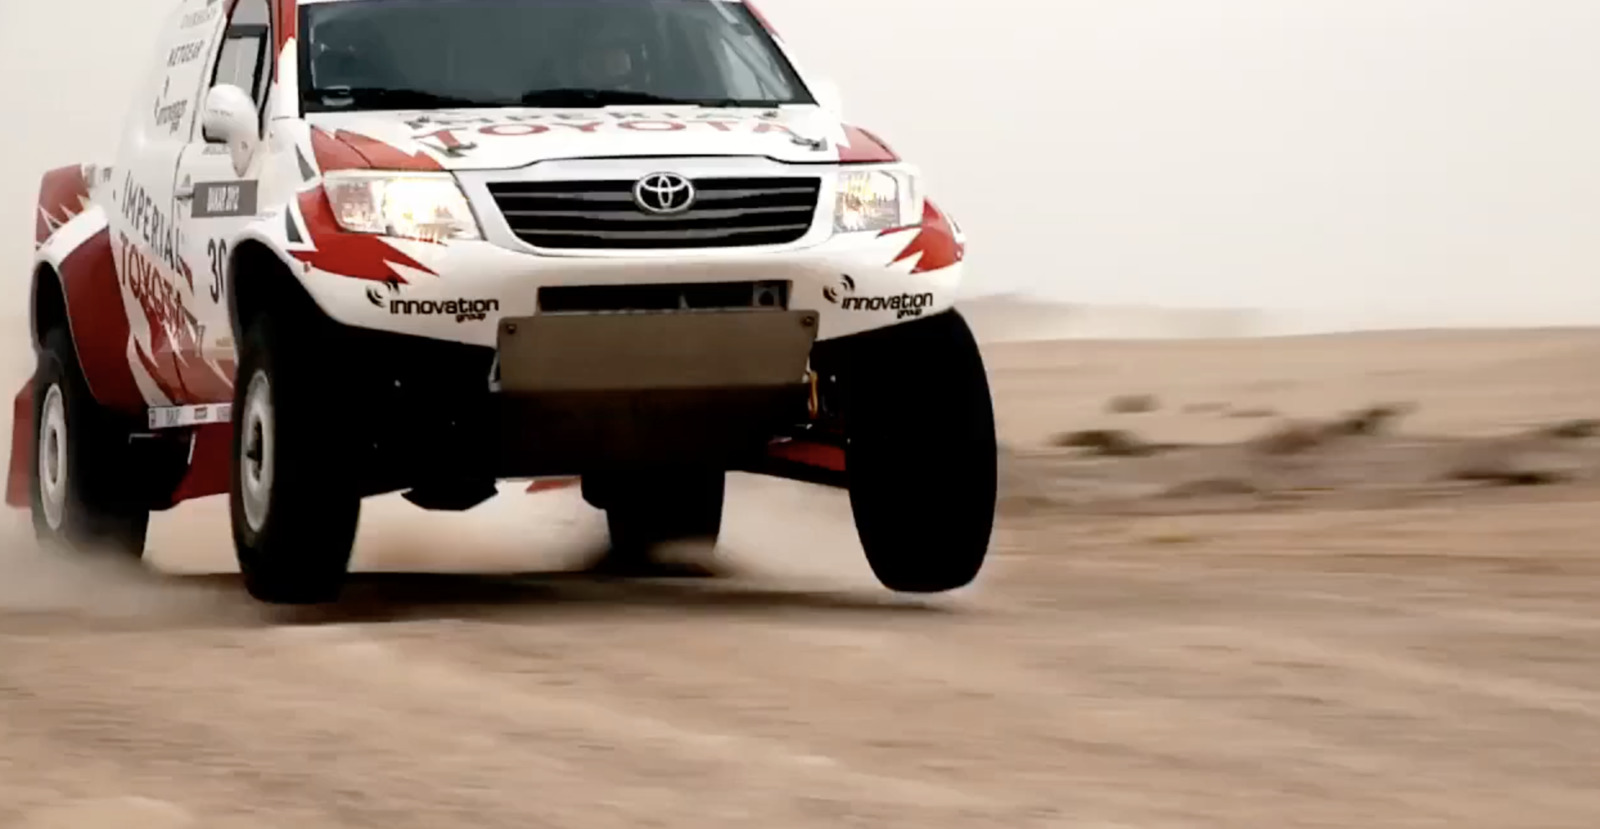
point(219, 199)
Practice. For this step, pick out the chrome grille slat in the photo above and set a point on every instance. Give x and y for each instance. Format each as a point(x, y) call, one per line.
point(622, 198)
point(601, 214)
point(622, 216)
point(698, 235)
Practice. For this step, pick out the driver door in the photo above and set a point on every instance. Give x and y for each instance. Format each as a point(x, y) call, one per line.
point(145, 226)
point(216, 200)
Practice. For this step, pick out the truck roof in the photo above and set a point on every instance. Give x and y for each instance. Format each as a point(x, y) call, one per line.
point(316, 2)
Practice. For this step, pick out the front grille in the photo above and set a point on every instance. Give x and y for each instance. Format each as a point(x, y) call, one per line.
point(591, 215)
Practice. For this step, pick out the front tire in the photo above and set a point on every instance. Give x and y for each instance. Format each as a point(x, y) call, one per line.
point(293, 505)
point(81, 497)
point(921, 457)
point(646, 511)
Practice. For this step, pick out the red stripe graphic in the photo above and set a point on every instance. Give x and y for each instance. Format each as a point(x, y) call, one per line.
point(862, 147)
point(345, 150)
point(356, 255)
point(62, 195)
point(935, 240)
point(100, 328)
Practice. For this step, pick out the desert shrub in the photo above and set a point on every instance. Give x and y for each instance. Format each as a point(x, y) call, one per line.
point(1114, 443)
point(1290, 438)
point(1212, 488)
point(1133, 404)
point(1372, 420)
point(1511, 463)
point(1572, 430)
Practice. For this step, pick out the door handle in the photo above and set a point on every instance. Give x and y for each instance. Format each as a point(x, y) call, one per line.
point(184, 193)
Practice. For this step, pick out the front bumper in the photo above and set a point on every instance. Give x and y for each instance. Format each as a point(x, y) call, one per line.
point(573, 395)
point(848, 283)
point(853, 282)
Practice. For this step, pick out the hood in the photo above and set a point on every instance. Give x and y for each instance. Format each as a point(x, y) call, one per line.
point(491, 139)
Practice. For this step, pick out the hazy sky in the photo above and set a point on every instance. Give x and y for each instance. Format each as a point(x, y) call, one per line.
point(1430, 158)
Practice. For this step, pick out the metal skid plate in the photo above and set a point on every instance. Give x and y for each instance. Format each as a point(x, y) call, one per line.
point(654, 351)
point(578, 392)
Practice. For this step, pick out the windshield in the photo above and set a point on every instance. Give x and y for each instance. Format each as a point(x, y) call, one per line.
point(420, 54)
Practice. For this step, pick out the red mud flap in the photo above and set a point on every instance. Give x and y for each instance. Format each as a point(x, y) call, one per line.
point(806, 461)
point(210, 463)
point(21, 448)
point(548, 484)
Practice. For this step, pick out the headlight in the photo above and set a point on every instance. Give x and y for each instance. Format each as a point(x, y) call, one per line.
point(876, 200)
point(423, 206)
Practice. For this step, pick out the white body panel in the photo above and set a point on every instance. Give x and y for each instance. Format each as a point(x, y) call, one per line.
point(502, 139)
point(174, 265)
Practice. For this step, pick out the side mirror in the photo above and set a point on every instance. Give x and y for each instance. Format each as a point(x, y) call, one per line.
point(827, 94)
point(230, 118)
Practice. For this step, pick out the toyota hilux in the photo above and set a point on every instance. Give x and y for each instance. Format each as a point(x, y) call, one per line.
point(355, 247)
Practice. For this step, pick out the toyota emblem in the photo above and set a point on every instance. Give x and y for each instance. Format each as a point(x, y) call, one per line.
point(663, 194)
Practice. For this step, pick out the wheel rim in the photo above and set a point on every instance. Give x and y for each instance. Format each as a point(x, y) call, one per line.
point(255, 452)
point(53, 457)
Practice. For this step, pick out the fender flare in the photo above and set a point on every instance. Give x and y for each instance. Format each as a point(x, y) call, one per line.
point(79, 260)
point(258, 236)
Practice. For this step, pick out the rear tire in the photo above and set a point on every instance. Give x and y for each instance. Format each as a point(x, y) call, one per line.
point(646, 511)
point(79, 484)
point(293, 504)
point(921, 457)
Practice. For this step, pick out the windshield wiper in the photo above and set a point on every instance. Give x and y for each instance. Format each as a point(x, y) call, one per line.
point(394, 98)
point(738, 103)
point(581, 97)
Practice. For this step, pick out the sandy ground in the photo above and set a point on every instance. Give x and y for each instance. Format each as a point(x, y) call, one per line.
point(1341, 638)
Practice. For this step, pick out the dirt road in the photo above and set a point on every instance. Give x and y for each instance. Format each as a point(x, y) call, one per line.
point(1305, 665)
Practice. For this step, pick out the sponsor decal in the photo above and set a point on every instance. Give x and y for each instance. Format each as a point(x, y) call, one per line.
point(150, 223)
point(904, 306)
point(217, 257)
point(463, 309)
point(173, 417)
point(589, 116)
point(847, 284)
point(213, 199)
point(200, 18)
point(173, 358)
point(185, 53)
point(375, 296)
point(171, 115)
point(160, 299)
point(455, 134)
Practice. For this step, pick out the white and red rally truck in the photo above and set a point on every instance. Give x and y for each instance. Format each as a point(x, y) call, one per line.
point(351, 247)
